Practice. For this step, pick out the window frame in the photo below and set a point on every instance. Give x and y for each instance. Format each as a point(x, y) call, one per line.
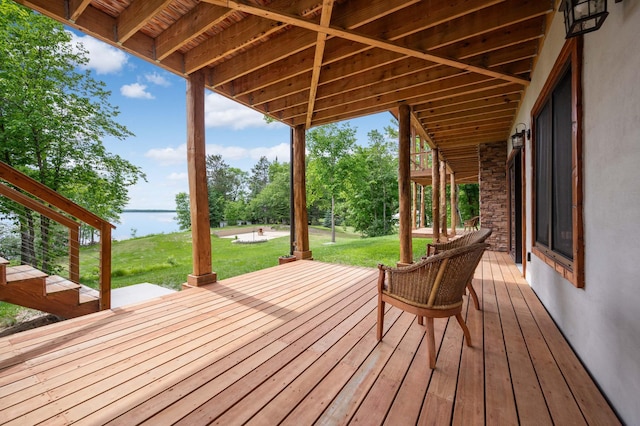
point(571, 270)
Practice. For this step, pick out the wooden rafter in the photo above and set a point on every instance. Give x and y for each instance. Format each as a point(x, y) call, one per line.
point(76, 8)
point(289, 19)
point(136, 16)
point(325, 19)
point(461, 65)
point(197, 21)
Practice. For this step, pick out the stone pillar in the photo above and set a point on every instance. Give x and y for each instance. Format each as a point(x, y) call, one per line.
point(493, 193)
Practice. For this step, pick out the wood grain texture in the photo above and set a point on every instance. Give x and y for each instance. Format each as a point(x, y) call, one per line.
point(296, 344)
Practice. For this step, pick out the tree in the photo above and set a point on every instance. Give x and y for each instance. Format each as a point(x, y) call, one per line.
point(259, 177)
point(52, 122)
point(371, 190)
point(183, 211)
point(329, 147)
point(272, 203)
point(225, 184)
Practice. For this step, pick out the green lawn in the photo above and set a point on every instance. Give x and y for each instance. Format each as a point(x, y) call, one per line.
point(165, 259)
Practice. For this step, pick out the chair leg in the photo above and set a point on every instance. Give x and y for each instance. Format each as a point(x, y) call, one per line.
point(465, 330)
point(420, 320)
point(474, 296)
point(380, 318)
point(431, 343)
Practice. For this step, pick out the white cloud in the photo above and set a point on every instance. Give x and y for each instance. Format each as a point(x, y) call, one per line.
point(104, 59)
point(223, 112)
point(169, 155)
point(157, 79)
point(180, 177)
point(281, 152)
point(136, 91)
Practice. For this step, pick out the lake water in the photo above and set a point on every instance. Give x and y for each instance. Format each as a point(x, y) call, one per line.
point(144, 223)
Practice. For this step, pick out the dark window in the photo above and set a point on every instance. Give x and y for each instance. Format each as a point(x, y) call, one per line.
point(554, 224)
point(557, 167)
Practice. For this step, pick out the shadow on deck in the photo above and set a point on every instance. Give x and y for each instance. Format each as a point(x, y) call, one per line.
point(296, 344)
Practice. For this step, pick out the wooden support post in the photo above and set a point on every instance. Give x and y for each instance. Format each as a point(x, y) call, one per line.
point(435, 194)
point(423, 213)
point(454, 204)
point(198, 193)
point(404, 183)
point(443, 198)
point(300, 194)
point(414, 204)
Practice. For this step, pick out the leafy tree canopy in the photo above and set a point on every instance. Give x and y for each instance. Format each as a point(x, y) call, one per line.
point(53, 117)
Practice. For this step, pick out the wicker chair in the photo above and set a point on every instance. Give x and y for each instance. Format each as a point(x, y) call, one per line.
point(432, 288)
point(472, 223)
point(474, 237)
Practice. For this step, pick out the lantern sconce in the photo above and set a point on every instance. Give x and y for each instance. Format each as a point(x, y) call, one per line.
point(583, 16)
point(518, 138)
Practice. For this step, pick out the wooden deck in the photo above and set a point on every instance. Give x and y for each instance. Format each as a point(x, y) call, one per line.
point(295, 344)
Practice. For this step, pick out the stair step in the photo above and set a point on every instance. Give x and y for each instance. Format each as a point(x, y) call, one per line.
point(3, 268)
point(87, 294)
point(22, 273)
point(56, 283)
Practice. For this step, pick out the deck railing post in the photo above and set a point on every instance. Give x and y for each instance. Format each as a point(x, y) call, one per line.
point(105, 266)
point(74, 254)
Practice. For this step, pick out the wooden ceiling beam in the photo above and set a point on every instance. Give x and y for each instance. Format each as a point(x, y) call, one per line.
point(237, 37)
point(136, 16)
point(470, 131)
point(342, 81)
point(290, 19)
point(501, 38)
point(486, 21)
point(476, 118)
point(242, 34)
point(194, 23)
point(454, 100)
point(342, 50)
point(76, 8)
point(388, 92)
point(472, 141)
point(386, 79)
point(480, 106)
point(465, 125)
point(325, 19)
point(298, 39)
point(100, 25)
point(343, 103)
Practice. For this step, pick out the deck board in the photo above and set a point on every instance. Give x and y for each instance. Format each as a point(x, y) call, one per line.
point(295, 344)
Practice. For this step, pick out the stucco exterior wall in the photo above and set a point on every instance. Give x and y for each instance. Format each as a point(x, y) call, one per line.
point(602, 320)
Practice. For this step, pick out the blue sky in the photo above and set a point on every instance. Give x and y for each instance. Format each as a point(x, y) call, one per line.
point(152, 106)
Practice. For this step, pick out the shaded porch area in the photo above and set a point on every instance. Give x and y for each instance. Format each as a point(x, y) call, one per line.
point(296, 344)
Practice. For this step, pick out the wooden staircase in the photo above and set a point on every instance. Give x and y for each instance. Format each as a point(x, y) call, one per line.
point(25, 285)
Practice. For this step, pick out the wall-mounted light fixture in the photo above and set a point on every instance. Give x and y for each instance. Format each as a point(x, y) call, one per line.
point(583, 16)
point(518, 138)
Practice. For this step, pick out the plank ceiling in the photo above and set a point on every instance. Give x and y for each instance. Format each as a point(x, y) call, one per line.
point(462, 65)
